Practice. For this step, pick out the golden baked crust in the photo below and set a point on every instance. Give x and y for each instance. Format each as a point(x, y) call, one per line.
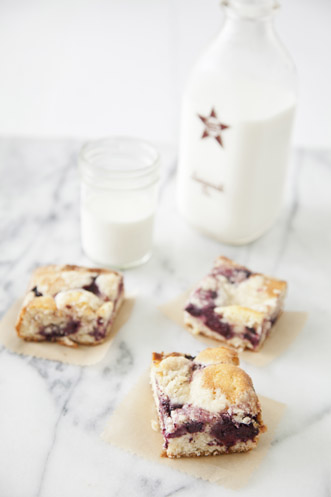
point(235, 305)
point(220, 375)
point(217, 355)
point(221, 260)
point(272, 286)
point(232, 382)
point(55, 278)
point(157, 357)
point(201, 400)
point(70, 305)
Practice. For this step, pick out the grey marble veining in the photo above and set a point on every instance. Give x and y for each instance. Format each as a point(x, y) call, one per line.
point(52, 414)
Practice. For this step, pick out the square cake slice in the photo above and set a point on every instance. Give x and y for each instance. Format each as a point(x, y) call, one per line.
point(206, 404)
point(235, 305)
point(70, 305)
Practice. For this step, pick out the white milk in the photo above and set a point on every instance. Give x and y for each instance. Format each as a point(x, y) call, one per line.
point(116, 230)
point(233, 191)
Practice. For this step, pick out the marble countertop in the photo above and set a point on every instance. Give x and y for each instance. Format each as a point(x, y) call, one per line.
point(52, 414)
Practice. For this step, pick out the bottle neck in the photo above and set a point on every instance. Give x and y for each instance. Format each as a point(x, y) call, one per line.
point(247, 23)
point(249, 27)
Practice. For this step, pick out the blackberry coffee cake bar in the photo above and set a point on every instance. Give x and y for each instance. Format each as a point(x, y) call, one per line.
point(206, 404)
point(235, 305)
point(70, 305)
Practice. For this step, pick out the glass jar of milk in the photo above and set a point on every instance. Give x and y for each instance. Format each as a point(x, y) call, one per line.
point(119, 186)
point(237, 118)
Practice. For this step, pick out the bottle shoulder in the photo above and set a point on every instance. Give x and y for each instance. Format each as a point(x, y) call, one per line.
point(262, 59)
point(241, 59)
point(254, 82)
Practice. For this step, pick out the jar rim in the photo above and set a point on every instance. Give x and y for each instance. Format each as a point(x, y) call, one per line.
point(119, 162)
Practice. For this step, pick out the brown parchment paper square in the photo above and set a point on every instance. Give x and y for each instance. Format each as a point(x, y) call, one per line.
point(284, 332)
point(130, 428)
point(81, 356)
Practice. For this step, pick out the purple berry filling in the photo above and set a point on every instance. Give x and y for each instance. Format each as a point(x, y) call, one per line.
point(36, 292)
point(100, 330)
point(197, 366)
point(190, 357)
point(93, 287)
point(251, 335)
point(228, 432)
point(190, 427)
point(234, 275)
point(223, 429)
point(213, 322)
point(166, 407)
point(211, 319)
point(52, 331)
point(121, 287)
point(207, 295)
point(98, 333)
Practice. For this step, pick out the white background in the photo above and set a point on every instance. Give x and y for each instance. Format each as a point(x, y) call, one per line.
point(90, 68)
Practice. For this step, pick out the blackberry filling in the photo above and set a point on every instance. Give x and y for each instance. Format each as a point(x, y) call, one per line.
point(190, 427)
point(98, 333)
point(121, 288)
point(234, 275)
point(100, 330)
point(227, 432)
point(55, 331)
point(251, 335)
point(207, 295)
point(92, 287)
point(190, 357)
point(211, 319)
point(197, 366)
point(36, 292)
point(166, 407)
point(193, 310)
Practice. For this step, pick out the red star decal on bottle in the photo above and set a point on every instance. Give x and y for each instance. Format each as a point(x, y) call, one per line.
point(213, 127)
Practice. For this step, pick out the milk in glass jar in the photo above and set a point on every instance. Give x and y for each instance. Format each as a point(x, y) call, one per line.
point(119, 186)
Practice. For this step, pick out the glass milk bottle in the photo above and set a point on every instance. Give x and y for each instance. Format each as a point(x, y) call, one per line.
point(237, 117)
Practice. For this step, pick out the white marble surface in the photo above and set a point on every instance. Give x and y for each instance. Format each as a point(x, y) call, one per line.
point(52, 414)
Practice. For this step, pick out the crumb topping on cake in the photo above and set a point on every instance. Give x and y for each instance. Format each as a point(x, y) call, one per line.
point(55, 278)
point(255, 292)
point(217, 355)
point(108, 284)
point(211, 381)
point(82, 299)
point(235, 314)
point(205, 396)
point(230, 381)
point(173, 376)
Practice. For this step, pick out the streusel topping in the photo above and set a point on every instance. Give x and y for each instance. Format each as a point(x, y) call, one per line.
point(211, 381)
